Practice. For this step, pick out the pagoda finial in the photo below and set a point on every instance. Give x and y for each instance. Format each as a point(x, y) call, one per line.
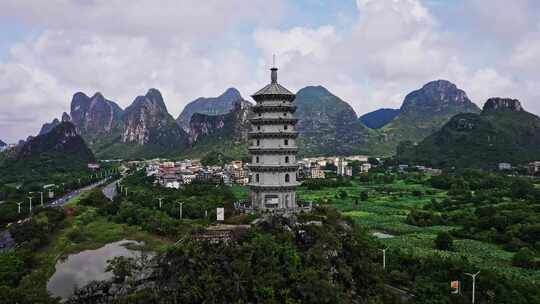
point(273, 74)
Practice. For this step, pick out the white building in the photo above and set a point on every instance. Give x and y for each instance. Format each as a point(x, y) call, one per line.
point(505, 166)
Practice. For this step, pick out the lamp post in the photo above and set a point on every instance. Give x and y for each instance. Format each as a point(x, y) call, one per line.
point(126, 190)
point(19, 205)
point(41, 197)
point(181, 205)
point(473, 276)
point(384, 258)
point(30, 198)
point(160, 199)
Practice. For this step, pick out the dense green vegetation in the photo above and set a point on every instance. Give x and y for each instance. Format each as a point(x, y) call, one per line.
point(434, 228)
point(273, 263)
point(428, 245)
point(479, 141)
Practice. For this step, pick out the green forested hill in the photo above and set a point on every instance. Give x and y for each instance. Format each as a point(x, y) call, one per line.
point(423, 112)
point(61, 150)
point(498, 134)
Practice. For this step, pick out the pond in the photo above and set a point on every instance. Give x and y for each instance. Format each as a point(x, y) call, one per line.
point(79, 269)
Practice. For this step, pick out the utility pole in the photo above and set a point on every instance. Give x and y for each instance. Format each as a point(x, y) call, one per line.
point(41, 196)
point(384, 258)
point(19, 204)
point(30, 198)
point(473, 276)
point(181, 205)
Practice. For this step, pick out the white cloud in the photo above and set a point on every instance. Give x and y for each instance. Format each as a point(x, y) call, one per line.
point(186, 49)
point(394, 47)
point(194, 48)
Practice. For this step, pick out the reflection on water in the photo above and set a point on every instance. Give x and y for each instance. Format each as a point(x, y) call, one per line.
point(79, 269)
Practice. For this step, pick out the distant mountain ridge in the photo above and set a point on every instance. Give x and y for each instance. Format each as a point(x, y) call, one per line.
point(502, 132)
point(424, 111)
point(379, 118)
point(222, 104)
point(327, 124)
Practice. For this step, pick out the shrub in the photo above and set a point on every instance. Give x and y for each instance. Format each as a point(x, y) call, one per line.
point(444, 241)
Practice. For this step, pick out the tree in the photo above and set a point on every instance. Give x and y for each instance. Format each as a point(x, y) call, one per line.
point(524, 258)
point(444, 241)
point(364, 196)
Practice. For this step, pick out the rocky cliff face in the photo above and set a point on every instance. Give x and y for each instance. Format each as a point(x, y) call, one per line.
point(423, 112)
point(503, 104)
point(327, 124)
point(48, 126)
point(146, 121)
point(234, 124)
point(65, 117)
point(220, 105)
point(94, 115)
point(436, 97)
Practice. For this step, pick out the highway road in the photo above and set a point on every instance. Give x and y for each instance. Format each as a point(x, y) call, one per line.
point(111, 191)
point(6, 241)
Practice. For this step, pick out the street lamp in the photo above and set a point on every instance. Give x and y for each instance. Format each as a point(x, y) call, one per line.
point(384, 258)
point(473, 276)
point(30, 198)
point(181, 205)
point(19, 204)
point(160, 199)
point(126, 190)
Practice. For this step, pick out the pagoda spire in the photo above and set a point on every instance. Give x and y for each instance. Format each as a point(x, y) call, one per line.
point(273, 73)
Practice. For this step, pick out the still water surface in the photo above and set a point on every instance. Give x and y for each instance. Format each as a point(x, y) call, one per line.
point(79, 269)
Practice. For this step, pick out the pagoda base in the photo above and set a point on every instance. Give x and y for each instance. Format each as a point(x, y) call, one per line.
point(271, 200)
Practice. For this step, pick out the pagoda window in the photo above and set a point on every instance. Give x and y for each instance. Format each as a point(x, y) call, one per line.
point(257, 178)
point(257, 159)
point(258, 142)
point(259, 128)
point(285, 127)
point(287, 178)
point(286, 159)
point(286, 142)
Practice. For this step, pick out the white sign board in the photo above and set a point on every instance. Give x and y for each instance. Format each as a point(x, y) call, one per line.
point(51, 194)
point(220, 214)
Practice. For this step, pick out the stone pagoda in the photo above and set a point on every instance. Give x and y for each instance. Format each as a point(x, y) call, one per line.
point(273, 148)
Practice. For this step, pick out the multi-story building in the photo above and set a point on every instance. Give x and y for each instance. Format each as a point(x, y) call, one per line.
point(273, 148)
point(316, 172)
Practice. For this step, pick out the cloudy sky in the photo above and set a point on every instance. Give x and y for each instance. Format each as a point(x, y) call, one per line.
point(371, 53)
